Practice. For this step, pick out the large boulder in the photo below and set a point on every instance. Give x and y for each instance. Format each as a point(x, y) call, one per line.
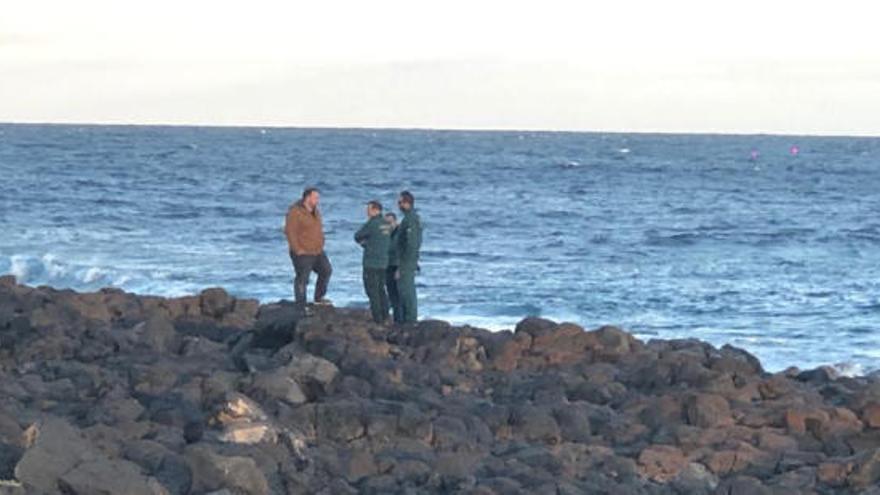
point(340, 421)
point(313, 373)
point(277, 385)
point(866, 471)
point(106, 477)
point(695, 479)
point(158, 334)
point(161, 463)
point(535, 424)
point(60, 458)
point(54, 448)
point(661, 463)
point(212, 471)
point(215, 302)
point(708, 410)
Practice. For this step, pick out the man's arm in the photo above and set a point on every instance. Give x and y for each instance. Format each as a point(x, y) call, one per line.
point(362, 234)
point(401, 239)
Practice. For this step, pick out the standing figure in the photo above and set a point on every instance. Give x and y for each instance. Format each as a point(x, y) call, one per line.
point(391, 272)
point(375, 237)
point(305, 238)
point(409, 242)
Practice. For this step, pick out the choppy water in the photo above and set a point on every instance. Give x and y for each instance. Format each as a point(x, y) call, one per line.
point(666, 235)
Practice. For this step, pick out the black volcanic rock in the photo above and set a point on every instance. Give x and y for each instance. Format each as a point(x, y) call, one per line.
point(109, 392)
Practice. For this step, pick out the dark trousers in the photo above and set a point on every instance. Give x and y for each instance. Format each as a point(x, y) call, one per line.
point(303, 266)
point(406, 286)
point(374, 285)
point(393, 293)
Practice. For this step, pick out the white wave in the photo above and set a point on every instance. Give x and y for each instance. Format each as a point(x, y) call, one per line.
point(494, 324)
point(499, 323)
point(849, 369)
point(47, 268)
point(53, 267)
point(19, 267)
point(92, 275)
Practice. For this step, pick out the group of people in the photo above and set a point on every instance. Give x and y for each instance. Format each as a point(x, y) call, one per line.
point(390, 258)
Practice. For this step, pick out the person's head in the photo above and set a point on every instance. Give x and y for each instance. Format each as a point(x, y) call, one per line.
point(391, 218)
point(374, 208)
point(310, 197)
point(406, 201)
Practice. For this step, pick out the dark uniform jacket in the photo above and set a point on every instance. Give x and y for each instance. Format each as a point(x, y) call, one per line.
point(393, 259)
point(375, 237)
point(409, 240)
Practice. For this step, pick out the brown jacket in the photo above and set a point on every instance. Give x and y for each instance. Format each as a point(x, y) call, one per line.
point(305, 234)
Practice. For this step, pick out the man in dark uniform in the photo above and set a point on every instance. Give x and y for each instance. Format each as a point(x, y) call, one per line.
point(375, 237)
point(391, 272)
point(409, 242)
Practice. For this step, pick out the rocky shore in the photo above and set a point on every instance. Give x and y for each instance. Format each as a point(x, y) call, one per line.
point(114, 393)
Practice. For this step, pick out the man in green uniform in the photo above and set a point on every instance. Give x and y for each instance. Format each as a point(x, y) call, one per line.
point(409, 242)
point(391, 272)
point(375, 237)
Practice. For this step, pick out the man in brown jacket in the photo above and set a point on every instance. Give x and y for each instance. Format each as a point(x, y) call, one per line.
point(305, 237)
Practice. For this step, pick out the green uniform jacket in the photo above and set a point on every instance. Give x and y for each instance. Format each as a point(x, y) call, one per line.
point(393, 259)
point(375, 237)
point(409, 240)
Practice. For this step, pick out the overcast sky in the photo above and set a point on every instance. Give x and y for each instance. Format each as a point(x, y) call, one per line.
point(744, 66)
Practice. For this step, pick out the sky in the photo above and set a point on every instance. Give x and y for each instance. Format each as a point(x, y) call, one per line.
point(750, 66)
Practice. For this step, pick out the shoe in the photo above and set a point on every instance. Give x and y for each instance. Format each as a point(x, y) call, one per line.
point(323, 302)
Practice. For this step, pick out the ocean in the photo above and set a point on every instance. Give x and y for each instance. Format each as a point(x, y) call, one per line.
point(769, 243)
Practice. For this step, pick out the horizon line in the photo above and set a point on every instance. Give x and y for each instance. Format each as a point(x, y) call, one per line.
point(441, 129)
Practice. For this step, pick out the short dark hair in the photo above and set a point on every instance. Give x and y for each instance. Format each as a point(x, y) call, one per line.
point(375, 205)
point(308, 192)
point(391, 214)
point(408, 197)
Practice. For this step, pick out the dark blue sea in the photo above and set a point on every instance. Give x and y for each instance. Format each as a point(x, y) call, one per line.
point(730, 239)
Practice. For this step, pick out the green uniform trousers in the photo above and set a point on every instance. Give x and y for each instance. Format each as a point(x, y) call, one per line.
point(374, 285)
point(406, 287)
point(393, 294)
